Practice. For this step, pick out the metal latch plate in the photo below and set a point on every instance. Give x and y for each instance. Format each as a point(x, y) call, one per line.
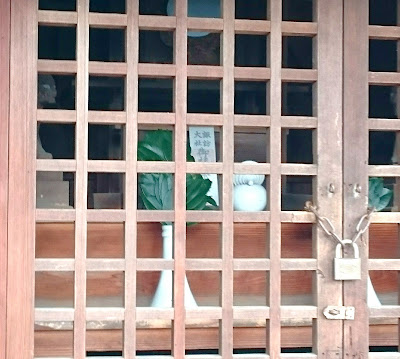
point(339, 312)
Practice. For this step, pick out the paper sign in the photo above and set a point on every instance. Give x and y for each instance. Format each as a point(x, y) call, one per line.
point(202, 144)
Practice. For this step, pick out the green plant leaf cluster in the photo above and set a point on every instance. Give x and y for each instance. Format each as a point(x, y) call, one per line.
point(378, 195)
point(156, 189)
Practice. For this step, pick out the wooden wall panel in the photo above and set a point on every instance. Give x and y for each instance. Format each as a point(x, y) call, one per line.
point(21, 229)
point(4, 112)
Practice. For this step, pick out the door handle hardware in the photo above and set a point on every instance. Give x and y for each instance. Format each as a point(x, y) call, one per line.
point(339, 312)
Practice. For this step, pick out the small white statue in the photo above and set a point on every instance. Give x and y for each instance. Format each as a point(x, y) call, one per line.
point(47, 93)
point(249, 194)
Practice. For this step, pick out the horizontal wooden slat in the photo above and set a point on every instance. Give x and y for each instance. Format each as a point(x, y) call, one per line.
point(251, 356)
point(298, 356)
point(297, 217)
point(249, 313)
point(108, 20)
point(159, 314)
point(154, 264)
point(243, 26)
point(252, 73)
point(210, 24)
point(155, 167)
point(297, 169)
point(57, 66)
point(385, 217)
point(204, 167)
point(204, 216)
point(252, 121)
point(299, 122)
point(253, 264)
point(105, 264)
point(386, 311)
point(110, 166)
point(105, 314)
point(384, 264)
point(384, 32)
point(299, 75)
point(298, 311)
point(384, 170)
point(252, 168)
point(55, 215)
point(49, 17)
point(155, 216)
point(152, 22)
point(205, 72)
point(384, 78)
point(251, 217)
point(56, 116)
point(157, 70)
point(199, 264)
point(299, 28)
point(298, 264)
point(54, 265)
point(54, 314)
point(62, 264)
point(106, 215)
point(56, 165)
point(156, 119)
point(204, 119)
point(196, 316)
point(107, 68)
point(107, 117)
point(384, 124)
point(386, 355)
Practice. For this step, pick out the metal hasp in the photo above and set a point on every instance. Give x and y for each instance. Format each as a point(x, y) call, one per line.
point(339, 312)
point(347, 268)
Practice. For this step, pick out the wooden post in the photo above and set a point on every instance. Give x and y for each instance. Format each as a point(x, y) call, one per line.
point(21, 179)
point(355, 147)
point(328, 184)
point(4, 118)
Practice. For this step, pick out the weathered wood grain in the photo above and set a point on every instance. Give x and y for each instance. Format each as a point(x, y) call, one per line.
point(4, 119)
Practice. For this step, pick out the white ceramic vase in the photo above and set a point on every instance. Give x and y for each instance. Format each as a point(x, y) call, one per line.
point(248, 193)
point(372, 298)
point(164, 292)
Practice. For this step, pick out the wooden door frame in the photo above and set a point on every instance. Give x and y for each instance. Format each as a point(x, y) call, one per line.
point(355, 166)
point(21, 176)
point(4, 112)
point(18, 38)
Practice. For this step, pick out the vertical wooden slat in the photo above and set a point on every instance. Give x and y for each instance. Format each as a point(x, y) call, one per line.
point(21, 179)
point(4, 117)
point(274, 335)
point(328, 153)
point(131, 101)
point(82, 89)
point(355, 147)
point(226, 324)
point(180, 178)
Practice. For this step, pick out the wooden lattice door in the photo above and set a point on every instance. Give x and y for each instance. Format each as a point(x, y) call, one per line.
point(96, 78)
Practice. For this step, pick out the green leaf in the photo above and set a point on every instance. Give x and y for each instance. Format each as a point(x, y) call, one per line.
point(156, 189)
point(378, 196)
point(156, 146)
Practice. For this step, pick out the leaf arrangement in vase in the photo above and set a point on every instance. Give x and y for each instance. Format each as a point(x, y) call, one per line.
point(156, 189)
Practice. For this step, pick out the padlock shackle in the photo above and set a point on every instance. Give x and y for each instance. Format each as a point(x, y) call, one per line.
point(340, 246)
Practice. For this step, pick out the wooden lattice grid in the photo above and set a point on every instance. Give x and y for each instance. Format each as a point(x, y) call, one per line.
point(327, 104)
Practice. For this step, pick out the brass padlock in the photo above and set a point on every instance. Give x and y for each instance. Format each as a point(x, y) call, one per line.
point(347, 268)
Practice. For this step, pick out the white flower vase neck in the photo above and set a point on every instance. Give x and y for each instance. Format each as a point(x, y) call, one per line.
point(372, 298)
point(164, 292)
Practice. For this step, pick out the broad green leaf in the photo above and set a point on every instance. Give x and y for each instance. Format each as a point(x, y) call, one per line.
point(378, 196)
point(156, 189)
